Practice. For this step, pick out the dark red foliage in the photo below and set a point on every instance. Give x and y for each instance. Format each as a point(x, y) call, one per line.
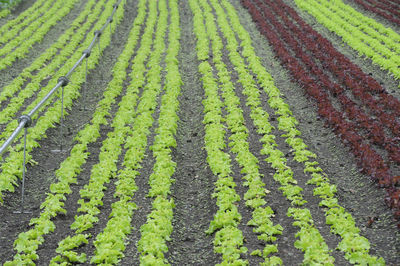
point(309, 57)
point(382, 8)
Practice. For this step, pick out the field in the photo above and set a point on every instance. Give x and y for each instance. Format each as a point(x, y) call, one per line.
point(201, 132)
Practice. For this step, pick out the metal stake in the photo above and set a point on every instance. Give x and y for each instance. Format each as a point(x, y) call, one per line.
point(98, 42)
point(61, 119)
point(23, 177)
point(61, 122)
point(85, 87)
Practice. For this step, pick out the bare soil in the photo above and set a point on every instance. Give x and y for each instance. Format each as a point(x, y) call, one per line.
point(194, 181)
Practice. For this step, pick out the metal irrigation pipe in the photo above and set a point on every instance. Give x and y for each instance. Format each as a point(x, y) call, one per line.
point(26, 120)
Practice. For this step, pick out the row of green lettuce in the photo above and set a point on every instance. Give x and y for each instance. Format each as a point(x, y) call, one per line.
point(46, 65)
point(66, 49)
point(5, 12)
point(158, 227)
point(20, 45)
point(22, 19)
point(28, 242)
point(14, 26)
point(354, 246)
point(6, 6)
point(110, 243)
point(228, 240)
point(239, 146)
point(371, 39)
point(111, 149)
point(316, 251)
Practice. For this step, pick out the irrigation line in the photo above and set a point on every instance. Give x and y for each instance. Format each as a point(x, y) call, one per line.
point(25, 121)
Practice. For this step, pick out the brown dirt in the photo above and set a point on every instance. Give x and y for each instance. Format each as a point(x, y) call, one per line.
point(194, 181)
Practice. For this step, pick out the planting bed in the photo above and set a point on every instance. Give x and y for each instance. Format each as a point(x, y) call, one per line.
point(252, 132)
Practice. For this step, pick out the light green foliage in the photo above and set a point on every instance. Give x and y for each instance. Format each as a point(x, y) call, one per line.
point(302, 155)
point(11, 169)
point(71, 166)
point(228, 239)
point(365, 35)
point(19, 46)
point(158, 227)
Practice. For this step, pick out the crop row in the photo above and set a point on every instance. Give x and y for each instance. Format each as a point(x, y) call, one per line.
point(239, 145)
point(24, 18)
point(28, 242)
point(316, 251)
point(341, 221)
point(383, 8)
point(158, 227)
point(110, 151)
point(366, 96)
point(4, 13)
point(228, 239)
point(59, 52)
point(254, 196)
point(11, 29)
point(305, 70)
point(110, 243)
point(365, 35)
point(11, 168)
point(19, 46)
point(221, 41)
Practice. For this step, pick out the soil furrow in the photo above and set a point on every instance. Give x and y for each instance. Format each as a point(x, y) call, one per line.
point(48, 162)
point(21, 7)
point(356, 192)
point(353, 109)
point(37, 49)
point(143, 207)
point(194, 182)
